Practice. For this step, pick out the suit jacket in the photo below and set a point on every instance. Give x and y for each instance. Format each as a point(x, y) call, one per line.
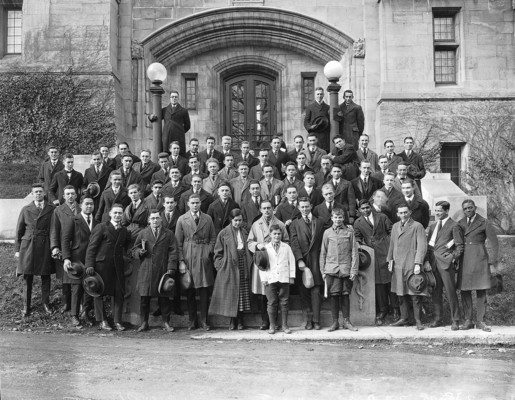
point(61, 215)
point(256, 172)
point(133, 177)
point(378, 174)
point(300, 174)
point(398, 186)
point(226, 175)
point(394, 198)
point(475, 273)
point(187, 178)
point(353, 122)
point(110, 163)
point(298, 183)
point(281, 159)
point(359, 188)
point(204, 157)
point(448, 245)
point(161, 176)
point(313, 159)
point(371, 157)
point(90, 175)
point(220, 214)
point(169, 190)
point(251, 160)
point(313, 111)
point(196, 244)
point(394, 163)
point(205, 200)
point(322, 177)
point(118, 160)
point(292, 154)
point(47, 172)
point(135, 219)
point(416, 170)
point(152, 203)
point(240, 189)
point(419, 210)
point(348, 159)
point(344, 194)
point(306, 243)
point(210, 185)
point(161, 256)
point(285, 211)
point(250, 212)
point(377, 237)
point(273, 194)
point(181, 163)
point(60, 180)
point(172, 223)
point(315, 197)
point(75, 240)
point(105, 252)
point(321, 211)
point(146, 172)
point(33, 240)
point(107, 199)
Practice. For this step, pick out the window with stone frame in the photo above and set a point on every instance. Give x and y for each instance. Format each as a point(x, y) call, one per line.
point(190, 91)
point(10, 27)
point(446, 45)
point(451, 160)
point(307, 89)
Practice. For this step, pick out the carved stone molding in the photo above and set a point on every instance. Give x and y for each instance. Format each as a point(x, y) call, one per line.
point(359, 48)
point(136, 50)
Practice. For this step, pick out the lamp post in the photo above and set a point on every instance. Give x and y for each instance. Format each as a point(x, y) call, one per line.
point(156, 72)
point(333, 71)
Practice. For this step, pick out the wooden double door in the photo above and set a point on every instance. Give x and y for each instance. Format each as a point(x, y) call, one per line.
point(250, 109)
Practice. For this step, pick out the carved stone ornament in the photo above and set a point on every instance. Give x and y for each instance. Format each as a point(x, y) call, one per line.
point(359, 48)
point(136, 50)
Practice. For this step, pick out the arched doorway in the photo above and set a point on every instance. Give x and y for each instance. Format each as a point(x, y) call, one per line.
point(250, 108)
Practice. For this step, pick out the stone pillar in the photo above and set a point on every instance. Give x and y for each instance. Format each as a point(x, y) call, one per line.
point(157, 128)
point(333, 89)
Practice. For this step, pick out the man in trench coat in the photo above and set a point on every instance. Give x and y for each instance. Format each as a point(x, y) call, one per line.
point(351, 118)
point(196, 238)
point(158, 255)
point(107, 245)
point(476, 263)
point(32, 247)
point(408, 246)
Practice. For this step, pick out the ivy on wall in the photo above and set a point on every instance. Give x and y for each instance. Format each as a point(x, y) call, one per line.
point(63, 109)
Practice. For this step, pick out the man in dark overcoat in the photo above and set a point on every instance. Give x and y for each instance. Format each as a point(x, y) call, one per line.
point(219, 210)
point(196, 238)
point(276, 157)
point(176, 122)
point(364, 185)
point(319, 111)
point(129, 176)
point(156, 248)
point(343, 192)
point(417, 205)
point(352, 119)
point(445, 245)
point(114, 194)
point(240, 184)
point(324, 209)
point(108, 243)
point(123, 150)
point(309, 190)
point(287, 211)
point(476, 263)
point(196, 188)
point(345, 155)
point(99, 173)
point(306, 233)
point(176, 160)
point(75, 240)
point(145, 168)
point(313, 153)
point(393, 160)
point(416, 170)
point(373, 230)
point(32, 247)
point(65, 177)
point(175, 187)
point(250, 207)
point(135, 215)
point(49, 168)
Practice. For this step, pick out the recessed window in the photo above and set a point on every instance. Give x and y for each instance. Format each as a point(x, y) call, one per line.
point(308, 88)
point(446, 45)
point(13, 32)
point(190, 91)
point(450, 160)
point(445, 66)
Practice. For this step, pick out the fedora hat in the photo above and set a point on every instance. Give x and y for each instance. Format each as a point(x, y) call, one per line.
point(419, 283)
point(261, 259)
point(320, 123)
point(76, 271)
point(365, 259)
point(186, 280)
point(93, 189)
point(307, 278)
point(93, 285)
point(166, 285)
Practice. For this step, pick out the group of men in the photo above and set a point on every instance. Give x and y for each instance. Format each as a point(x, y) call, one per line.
point(169, 214)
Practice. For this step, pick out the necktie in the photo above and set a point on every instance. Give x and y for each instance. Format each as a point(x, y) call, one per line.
point(40, 207)
point(256, 202)
point(469, 221)
point(438, 228)
point(409, 203)
point(389, 157)
point(53, 164)
point(276, 247)
point(117, 226)
point(330, 208)
point(369, 222)
point(156, 231)
point(196, 218)
point(308, 223)
point(269, 184)
point(88, 220)
point(168, 217)
point(365, 152)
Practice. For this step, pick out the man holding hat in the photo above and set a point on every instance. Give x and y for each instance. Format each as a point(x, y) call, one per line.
point(408, 246)
point(75, 239)
point(316, 120)
point(156, 247)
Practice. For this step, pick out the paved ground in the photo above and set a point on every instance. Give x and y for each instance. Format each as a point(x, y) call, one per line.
point(130, 366)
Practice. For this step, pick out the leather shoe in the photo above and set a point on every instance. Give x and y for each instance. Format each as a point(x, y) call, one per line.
point(168, 328)
point(401, 322)
point(47, 309)
point(467, 325)
point(271, 330)
point(334, 326)
point(379, 321)
point(286, 329)
point(143, 327)
point(455, 326)
point(119, 327)
point(104, 325)
point(205, 326)
point(317, 326)
point(436, 323)
point(75, 321)
point(420, 327)
point(264, 327)
point(309, 325)
point(192, 326)
point(241, 327)
point(232, 324)
point(347, 325)
point(481, 325)
point(396, 314)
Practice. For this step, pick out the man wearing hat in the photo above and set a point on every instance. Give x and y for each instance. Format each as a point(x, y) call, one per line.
point(477, 262)
point(445, 245)
point(316, 119)
point(373, 230)
point(408, 246)
point(32, 247)
point(107, 245)
point(156, 247)
point(76, 233)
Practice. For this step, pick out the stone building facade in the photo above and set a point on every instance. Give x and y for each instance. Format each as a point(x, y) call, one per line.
point(248, 67)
